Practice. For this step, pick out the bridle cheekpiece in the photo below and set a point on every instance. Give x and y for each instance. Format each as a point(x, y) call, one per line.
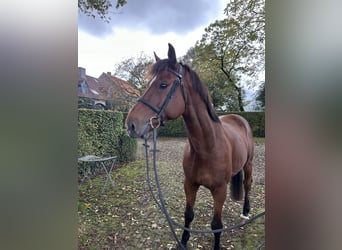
point(160, 111)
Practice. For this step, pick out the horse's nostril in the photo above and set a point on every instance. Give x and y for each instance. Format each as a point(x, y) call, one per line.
point(132, 127)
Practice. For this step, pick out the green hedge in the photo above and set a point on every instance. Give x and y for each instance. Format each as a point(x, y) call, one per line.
point(255, 119)
point(101, 133)
point(176, 128)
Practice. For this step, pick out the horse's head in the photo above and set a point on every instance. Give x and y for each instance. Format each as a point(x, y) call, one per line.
point(163, 100)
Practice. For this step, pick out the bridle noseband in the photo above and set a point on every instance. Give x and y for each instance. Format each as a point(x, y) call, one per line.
point(173, 89)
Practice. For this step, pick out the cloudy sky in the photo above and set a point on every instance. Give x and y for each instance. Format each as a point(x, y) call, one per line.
point(146, 26)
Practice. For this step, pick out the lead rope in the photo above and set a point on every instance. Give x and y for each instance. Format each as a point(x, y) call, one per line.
point(161, 202)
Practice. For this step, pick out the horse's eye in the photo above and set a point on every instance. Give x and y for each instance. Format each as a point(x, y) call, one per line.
point(163, 86)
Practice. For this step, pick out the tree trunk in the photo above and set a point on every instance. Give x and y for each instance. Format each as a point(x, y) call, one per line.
point(238, 89)
point(240, 98)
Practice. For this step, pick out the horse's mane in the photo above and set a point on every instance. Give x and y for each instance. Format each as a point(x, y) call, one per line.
point(200, 88)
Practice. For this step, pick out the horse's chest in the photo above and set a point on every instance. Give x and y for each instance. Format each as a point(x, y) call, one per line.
point(208, 172)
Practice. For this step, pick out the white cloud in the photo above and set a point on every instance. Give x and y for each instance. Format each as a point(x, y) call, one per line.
point(100, 54)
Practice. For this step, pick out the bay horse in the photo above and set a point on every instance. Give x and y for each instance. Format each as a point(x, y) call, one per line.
point(218, 150)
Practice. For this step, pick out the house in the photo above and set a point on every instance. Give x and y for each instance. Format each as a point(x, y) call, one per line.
point(105, 92)
point(123, 94)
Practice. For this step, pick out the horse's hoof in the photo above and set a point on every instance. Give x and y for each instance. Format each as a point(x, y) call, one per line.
point(244, 217)
point(181, 246)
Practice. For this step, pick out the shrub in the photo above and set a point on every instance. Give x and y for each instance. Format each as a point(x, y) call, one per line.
point(85, 103)
point(256, 120)
point(101, 133)
point(176, 128)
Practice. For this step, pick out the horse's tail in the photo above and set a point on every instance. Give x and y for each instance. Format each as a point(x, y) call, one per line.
point(236, 191)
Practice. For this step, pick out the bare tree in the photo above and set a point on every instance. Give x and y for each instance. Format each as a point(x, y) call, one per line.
point(134, 70)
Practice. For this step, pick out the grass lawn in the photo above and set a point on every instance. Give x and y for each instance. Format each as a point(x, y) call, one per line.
point(126, 217)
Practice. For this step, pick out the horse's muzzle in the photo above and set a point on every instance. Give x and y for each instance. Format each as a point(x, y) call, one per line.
point(135, 131)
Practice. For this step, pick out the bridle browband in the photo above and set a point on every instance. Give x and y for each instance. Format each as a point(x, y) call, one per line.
point(173, 89)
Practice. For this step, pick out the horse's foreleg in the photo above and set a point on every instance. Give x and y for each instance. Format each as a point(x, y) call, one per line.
point(219, 195)
point(247, 182)
point(190, 193)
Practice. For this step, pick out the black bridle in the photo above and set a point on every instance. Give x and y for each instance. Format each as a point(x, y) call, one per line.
point(160, 111)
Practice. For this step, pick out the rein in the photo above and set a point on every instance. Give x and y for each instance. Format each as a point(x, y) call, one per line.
point(161, 203)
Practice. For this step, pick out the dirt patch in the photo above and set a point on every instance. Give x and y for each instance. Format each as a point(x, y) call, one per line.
point(127, 218)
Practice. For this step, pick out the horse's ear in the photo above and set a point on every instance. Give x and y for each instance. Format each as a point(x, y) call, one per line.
point(156, 57)
point(172, 56)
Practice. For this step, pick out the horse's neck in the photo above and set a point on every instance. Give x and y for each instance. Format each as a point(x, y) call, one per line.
point(203, 132)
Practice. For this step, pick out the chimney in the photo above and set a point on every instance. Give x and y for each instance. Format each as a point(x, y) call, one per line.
point(109, 73)
point(81, 73)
